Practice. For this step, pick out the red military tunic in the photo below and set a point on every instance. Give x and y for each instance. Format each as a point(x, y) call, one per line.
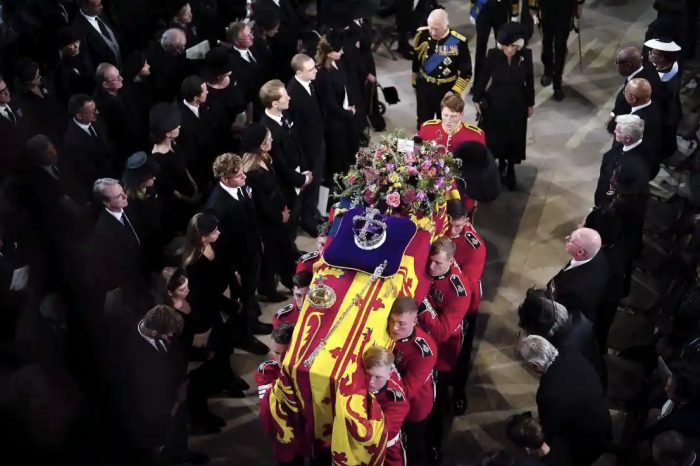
point(289, 314)
point(391, 400)
point(415, 359)
point(432, 130)
point(307, 261)
point(441, 314)
point(470, 257)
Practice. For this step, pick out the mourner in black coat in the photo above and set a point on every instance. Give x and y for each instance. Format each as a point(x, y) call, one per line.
point(581, 283)
point(74, 72)
point(169, 65)
point(97, 35)
point(13, 131)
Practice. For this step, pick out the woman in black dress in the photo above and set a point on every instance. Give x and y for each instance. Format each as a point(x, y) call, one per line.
point(228, 106)
point(506, 103)
point(41, 110)
point(174, 182)
point(273, 213)
point(339, 103)
point(136, 93)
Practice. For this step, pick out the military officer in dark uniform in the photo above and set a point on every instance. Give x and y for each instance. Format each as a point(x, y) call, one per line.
point(556, 18)
point(487, 15)
point(441, 63)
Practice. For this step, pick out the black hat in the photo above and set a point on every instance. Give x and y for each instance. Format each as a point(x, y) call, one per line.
point(509, 33)
point(631, 178)
point(266, 18)
point(133, 65)
point(253, 137)
point(335, 38)
point(138, 169)
point(536, 314)
point(66, 36)
point(163, 118)
point(479, 171)
point(206, 223)
point(216, 62)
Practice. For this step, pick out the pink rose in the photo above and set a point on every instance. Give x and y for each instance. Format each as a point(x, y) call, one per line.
point(393, 199)
point(410, 158)
point(426, 165)
point(411, 170)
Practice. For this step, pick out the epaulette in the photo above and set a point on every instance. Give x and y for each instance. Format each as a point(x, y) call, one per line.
point(285, 310)
point(472, 239)
point(425, 306)
point(397, 395)
point(309, 255)
point(264, 364)
point(424, 347)
point(458, 35)
point(422, 28)
point(434, 121)
point(474, 128)
point(458, 285)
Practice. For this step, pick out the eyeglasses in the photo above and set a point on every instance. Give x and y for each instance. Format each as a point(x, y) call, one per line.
point(569, 240)
point(116, 78)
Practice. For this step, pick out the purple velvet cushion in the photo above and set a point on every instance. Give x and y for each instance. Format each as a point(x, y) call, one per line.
point(344, 253)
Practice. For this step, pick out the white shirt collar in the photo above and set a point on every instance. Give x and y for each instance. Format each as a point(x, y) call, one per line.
point(117, 215)
point(92, 20)
point(574, 263)
point(666, 76)
point(150, 340)
point(635, 73)
point(194, 109)
point(639, 107)
point(631, 146)
point(82, 126)
point(278, 119)
point(244, 53)
point(3, 112)
point(305, 84)
point(276, 2)
point(233, 192)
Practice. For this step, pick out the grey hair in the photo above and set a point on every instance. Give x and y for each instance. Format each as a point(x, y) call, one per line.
point(631, 126)
point(561, 315)
point(100, 185)
point(439, 14)
point(536, 350)
point(170, 36)
point(101, 70)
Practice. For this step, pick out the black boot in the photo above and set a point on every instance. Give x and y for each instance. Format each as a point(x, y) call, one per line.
point(502, 169)
point(509, 180)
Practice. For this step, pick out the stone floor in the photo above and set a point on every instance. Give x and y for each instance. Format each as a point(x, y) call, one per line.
point(524, 229)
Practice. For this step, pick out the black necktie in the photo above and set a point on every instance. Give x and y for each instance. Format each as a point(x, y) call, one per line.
point(10, 115)
point(103, 28)
point(251, 58)
point(54, 171)
point(311, 89)
point(127, 224)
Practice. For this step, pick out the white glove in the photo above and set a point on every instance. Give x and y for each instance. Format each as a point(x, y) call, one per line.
point(515, 19)
point(472, 20)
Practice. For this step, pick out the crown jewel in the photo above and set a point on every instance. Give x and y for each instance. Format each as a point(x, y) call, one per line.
point(369, 231)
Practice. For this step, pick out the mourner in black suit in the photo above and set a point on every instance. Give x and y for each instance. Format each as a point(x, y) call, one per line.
point(97, 35)
point(87, 148)
point(74, 73)
point(114, 111)
point(249, 71)
point(12, 131)
point(638, 95)
point(240, 241)
point(287, 154)
point(197, 130)
point(570, 400)
point(285, 43)
point(581, 283)
point(169, 64)
point(663, 55)
point(117, 259)
point(306, 112)
point(564, 328)
point(629, 65)
point(630, 152)
point(151, 390)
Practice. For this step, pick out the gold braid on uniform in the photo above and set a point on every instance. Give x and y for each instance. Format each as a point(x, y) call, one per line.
point(533, 4)
point(515, 9)
point(460, 85)
point(420, 53)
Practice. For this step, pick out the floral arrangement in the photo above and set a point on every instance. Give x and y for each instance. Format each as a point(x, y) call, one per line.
point(391, 176)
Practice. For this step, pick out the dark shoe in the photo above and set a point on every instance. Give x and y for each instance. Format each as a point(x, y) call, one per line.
point(230, 392)
point(509, 180)
point(260, 328)
point(546, 80)
point(274, 297)
point(459, 404)
point(191, 457)
point(214, 419)
point(558, 95)
point(232, 380)
point(203, 428)
point(253, 346)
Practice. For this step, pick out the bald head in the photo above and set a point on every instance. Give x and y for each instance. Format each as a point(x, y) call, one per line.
point(637, 92)
point(583, 244)
point(628, 60)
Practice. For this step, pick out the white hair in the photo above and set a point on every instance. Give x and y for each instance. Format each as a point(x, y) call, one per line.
point(561, 315)
point(537, 351)
point(171, 36)
point(520, 43)
point(100, 185)
point(439, 15)
point(631, 126)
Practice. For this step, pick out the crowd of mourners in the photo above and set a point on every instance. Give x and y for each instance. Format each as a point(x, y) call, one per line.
point(158, 160)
